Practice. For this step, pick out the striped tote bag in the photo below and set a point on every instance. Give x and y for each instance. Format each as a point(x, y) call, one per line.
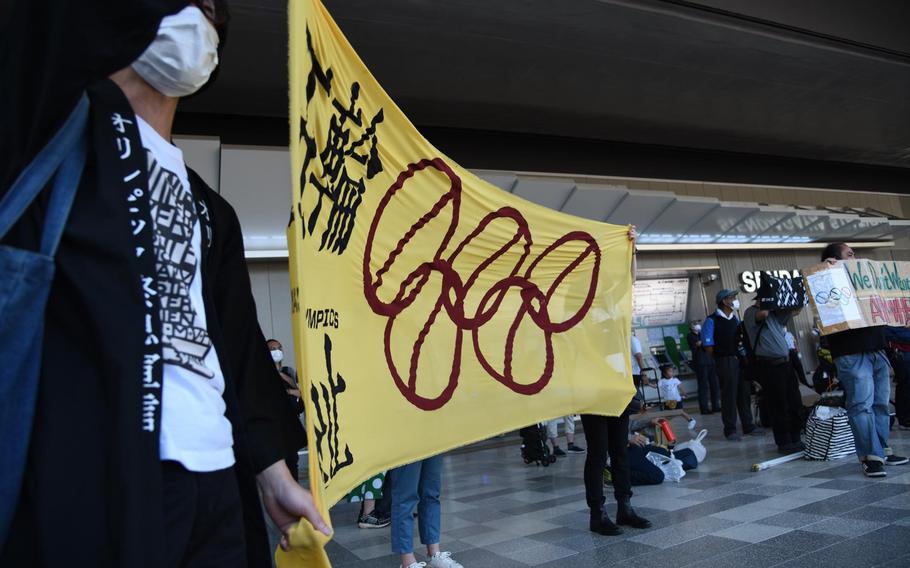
point(828, 434)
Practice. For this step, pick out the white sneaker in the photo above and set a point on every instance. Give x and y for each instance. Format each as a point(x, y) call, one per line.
point(692, 424)
point(443, 560)
point(416, 565)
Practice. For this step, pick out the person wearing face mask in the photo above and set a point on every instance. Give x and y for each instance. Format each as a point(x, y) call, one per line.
point(703, 365)
point(722, 338)
point(290, 385)
point(152, 366)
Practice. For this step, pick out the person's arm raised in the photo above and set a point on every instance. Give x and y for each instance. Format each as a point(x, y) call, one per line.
point(633, 236)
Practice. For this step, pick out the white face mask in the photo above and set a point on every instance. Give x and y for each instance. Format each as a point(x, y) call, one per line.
point(182, 56)
point(277, 355)
point(735, 304)
point(696, 328)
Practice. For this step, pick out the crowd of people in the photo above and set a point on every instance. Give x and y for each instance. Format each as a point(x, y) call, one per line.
point(206, 455)
point(728, 354)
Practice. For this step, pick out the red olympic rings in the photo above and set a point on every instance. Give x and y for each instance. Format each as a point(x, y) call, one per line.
point(454, 290)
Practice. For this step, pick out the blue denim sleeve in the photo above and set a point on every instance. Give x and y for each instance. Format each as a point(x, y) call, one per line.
point(707, 333)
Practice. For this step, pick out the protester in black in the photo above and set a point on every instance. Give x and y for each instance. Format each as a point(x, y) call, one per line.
point(100, 396)
point(766, 336)
point(289, 383)
point(610, 435)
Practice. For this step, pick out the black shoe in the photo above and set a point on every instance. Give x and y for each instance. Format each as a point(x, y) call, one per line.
point(755, 432)
point(573, 449)
point(557, 451)
point(626, 515)
point(734, 437)
point(707, 412)
point(896, 460)
point(601, 524)
point(372, 521)
point(874, 468)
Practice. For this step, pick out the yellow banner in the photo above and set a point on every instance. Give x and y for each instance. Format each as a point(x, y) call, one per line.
point(430, 308)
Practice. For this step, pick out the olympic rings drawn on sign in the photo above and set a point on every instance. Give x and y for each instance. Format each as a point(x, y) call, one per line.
point(534, 301)
point(841, 296)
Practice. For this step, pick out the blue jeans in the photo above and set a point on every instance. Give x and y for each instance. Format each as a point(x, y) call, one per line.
point(417, 484)
point(866, 381)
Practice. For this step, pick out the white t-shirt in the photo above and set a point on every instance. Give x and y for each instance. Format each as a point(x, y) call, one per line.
point(669, 389)
point(791, 341)
point(194, 430)
point(636, 348)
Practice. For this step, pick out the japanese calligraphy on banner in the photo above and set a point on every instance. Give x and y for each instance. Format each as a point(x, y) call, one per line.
point(431, 309)
point(859, 293)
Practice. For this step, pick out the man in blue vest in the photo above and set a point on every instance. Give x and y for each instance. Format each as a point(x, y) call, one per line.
point(703, 364)
point(721, 338)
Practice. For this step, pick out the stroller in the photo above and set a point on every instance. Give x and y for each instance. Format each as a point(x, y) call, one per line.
point(534, 448)
point(650, 381)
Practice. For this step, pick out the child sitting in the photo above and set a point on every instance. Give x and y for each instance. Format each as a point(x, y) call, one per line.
point(671, 390)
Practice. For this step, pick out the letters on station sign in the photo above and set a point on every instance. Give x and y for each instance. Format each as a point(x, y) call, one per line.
point(751, 279)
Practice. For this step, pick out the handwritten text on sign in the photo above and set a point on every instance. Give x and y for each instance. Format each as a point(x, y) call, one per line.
point(860, 293)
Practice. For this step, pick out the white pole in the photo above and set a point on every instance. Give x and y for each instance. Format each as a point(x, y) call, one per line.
point(776, 461)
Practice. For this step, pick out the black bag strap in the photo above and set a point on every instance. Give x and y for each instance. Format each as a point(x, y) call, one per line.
point(751, 353)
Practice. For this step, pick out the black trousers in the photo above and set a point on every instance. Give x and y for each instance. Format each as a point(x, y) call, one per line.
point(708, 387)
point(736, 395)
point(606, 435)
point(384, 505)
point(798, 367)
point(781, 399)
point(203, 518)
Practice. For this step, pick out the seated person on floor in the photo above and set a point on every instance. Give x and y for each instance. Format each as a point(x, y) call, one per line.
point(643, 429)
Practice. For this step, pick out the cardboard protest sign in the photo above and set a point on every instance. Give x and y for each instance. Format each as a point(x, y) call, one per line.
point(859, 293)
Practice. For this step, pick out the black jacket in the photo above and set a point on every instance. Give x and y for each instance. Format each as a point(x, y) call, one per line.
point(92, 491)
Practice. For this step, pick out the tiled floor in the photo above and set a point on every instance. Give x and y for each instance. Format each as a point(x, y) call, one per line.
point(498, 512)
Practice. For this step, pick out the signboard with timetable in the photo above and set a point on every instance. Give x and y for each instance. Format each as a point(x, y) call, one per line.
point(660, 302)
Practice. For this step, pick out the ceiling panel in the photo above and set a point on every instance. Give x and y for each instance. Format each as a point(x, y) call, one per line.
point(872, 228)
point(667, 73)
point(839, 226)
point(899, 228)
point(803, 227)
point(641, 208)
point(502, 181)
point(552, 194)
point(677, 220)
point(751, 228)
point(718, 222)
point(594, 201)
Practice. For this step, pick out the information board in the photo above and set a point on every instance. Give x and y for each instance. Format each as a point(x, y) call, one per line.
point(660, 302)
